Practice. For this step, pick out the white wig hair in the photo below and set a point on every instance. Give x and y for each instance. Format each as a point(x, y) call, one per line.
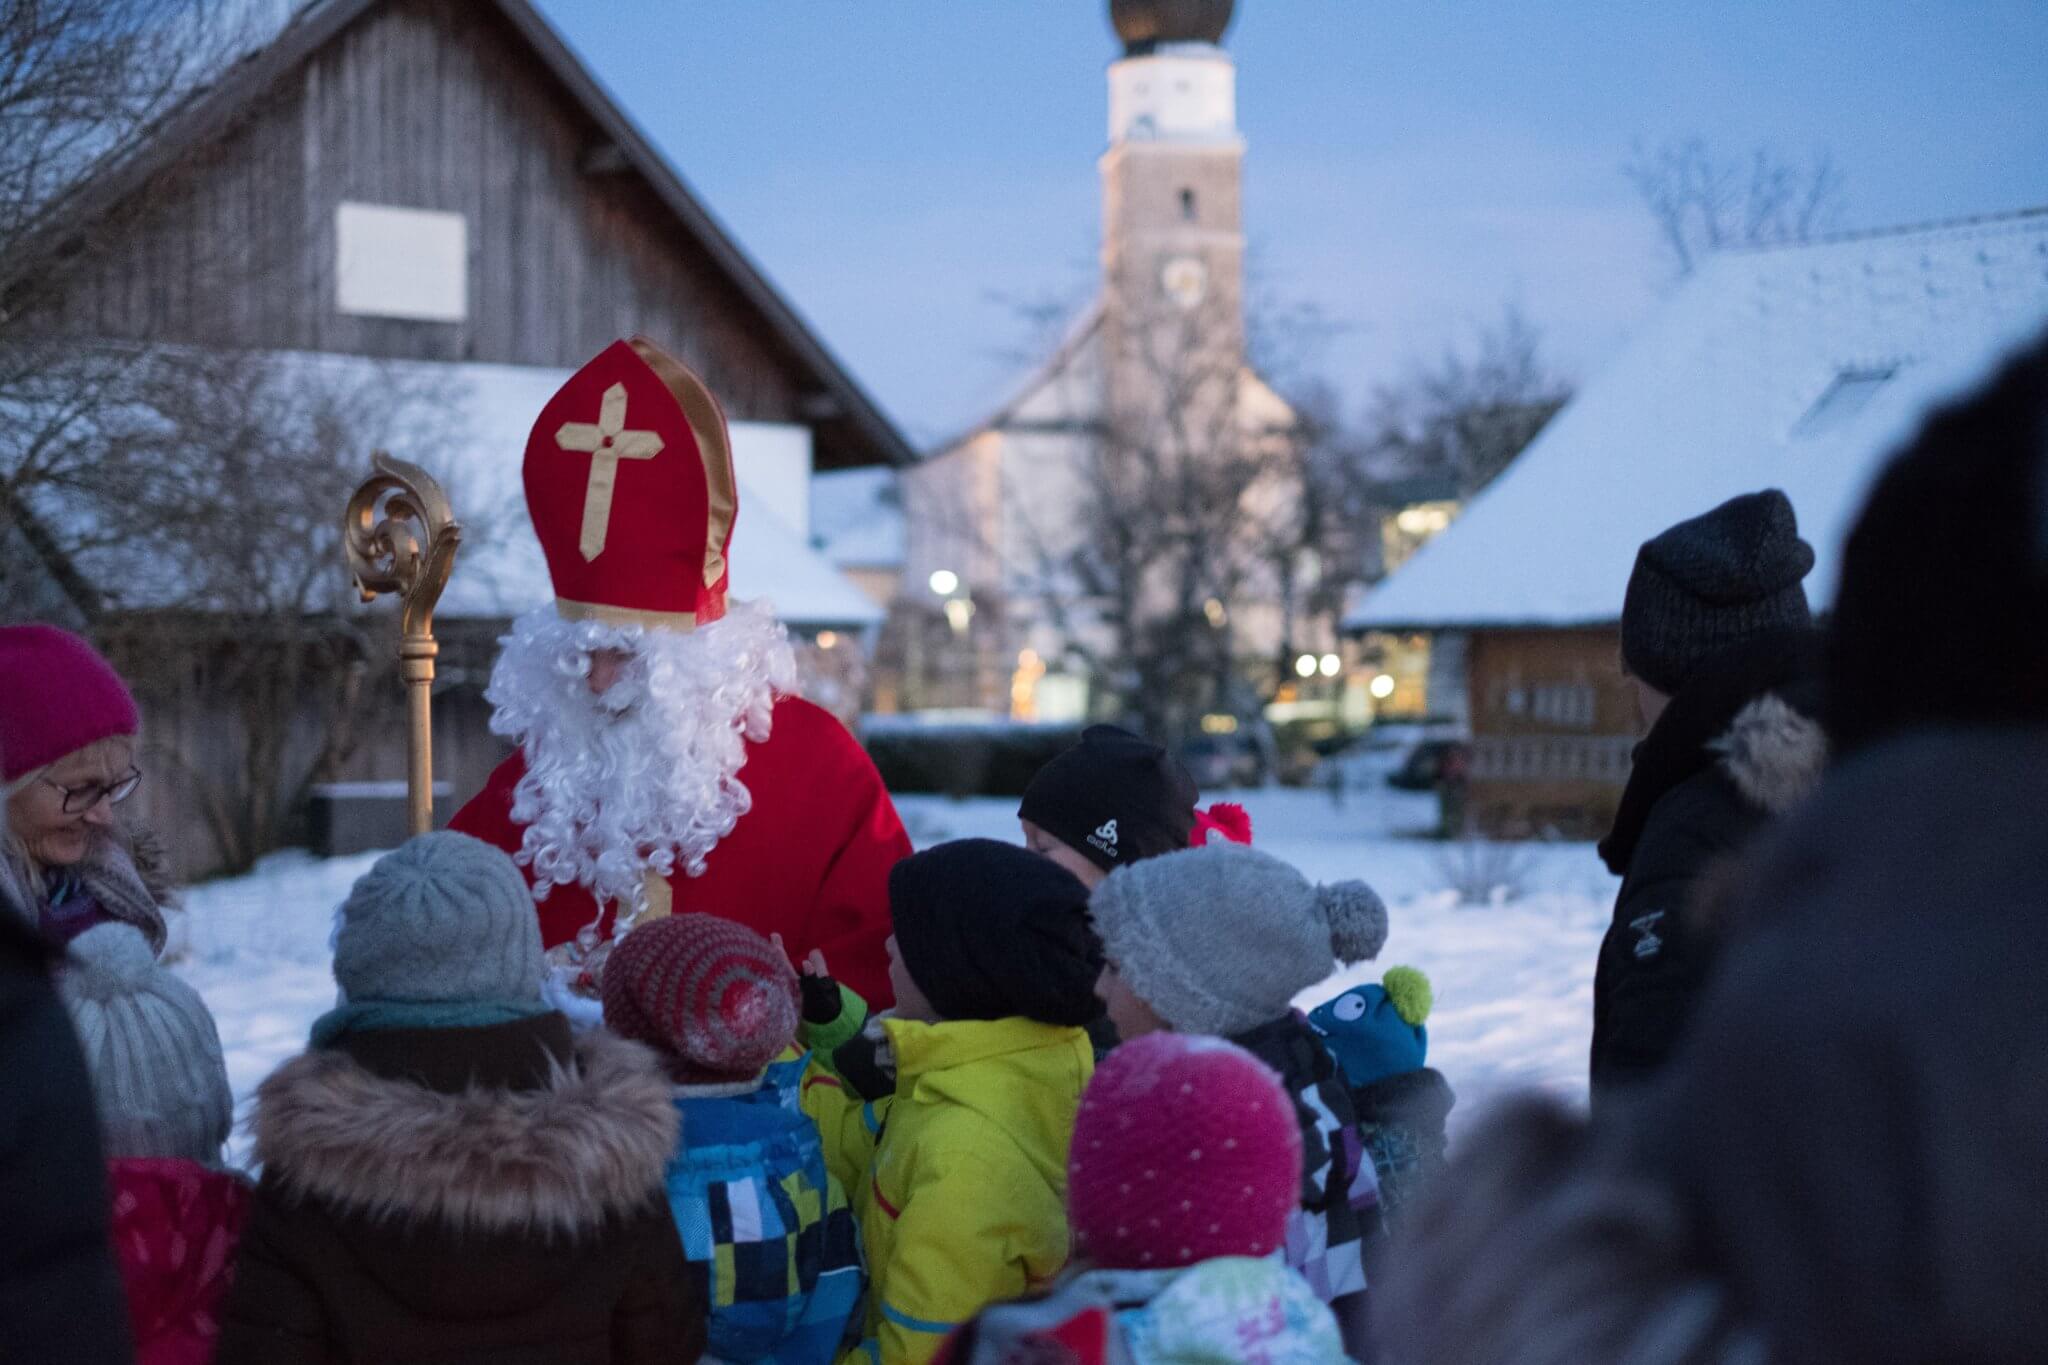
point(645, 777)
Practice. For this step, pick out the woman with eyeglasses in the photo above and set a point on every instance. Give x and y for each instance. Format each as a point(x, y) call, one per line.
point(67, 758)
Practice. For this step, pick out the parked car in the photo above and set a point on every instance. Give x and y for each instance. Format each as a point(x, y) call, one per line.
point(1220, 761)
point(1365, 761)
point(1428, 762)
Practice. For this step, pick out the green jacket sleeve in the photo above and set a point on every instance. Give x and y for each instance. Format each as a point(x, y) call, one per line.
point(825, 1039)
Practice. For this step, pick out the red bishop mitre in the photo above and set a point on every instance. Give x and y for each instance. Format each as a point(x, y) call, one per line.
point(630, 486)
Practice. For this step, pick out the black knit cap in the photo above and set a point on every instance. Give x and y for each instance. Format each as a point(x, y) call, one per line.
point(990, 930)
point(1950, 554)
point(1711, 583)
point(1113, 798)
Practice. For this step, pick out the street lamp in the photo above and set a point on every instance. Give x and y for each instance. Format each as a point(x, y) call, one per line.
point(1382, 686)
point(945, 582)
point(1332, 665)
point(1305, 666)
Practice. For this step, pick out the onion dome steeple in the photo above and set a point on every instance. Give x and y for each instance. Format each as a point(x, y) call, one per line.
point(1147, 24)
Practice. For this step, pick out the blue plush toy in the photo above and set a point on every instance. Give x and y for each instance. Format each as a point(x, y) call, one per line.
point(1376, 1031)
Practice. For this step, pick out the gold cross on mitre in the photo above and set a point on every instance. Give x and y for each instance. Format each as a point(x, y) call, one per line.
point(607, 443)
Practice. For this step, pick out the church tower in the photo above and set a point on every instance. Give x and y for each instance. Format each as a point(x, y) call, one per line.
point(1172, 230)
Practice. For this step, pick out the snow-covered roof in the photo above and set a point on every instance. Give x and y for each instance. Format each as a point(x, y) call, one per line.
point(475, 449)
point(857, 518)
point(1801, 367)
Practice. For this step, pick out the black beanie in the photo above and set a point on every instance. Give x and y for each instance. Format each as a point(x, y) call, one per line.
point(1942, 612)
point(1113, 798)
point(990, 930)
point(1711, 583)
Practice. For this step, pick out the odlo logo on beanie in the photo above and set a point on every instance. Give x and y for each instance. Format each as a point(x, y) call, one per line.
point(1104, 838)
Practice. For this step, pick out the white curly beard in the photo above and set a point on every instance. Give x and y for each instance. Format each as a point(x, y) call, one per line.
point(645, 777)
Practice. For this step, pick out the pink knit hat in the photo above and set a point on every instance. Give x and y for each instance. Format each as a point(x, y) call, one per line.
point(1186, 1148)
point(57, 695)
point(713, 996)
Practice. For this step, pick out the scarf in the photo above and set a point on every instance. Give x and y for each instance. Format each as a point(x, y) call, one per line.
point(371, 1016)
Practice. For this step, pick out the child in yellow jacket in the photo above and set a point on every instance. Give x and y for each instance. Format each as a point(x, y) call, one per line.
point(948, 1119)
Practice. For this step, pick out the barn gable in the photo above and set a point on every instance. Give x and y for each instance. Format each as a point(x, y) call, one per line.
point(567, 227)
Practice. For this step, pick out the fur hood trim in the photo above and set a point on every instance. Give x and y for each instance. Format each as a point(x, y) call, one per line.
point(1773, 753)
point(592, 1142)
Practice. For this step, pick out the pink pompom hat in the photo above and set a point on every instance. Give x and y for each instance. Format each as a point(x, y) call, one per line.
point(57, 695)
point(1185, 1148)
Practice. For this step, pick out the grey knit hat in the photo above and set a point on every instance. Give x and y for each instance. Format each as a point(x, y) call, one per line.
point(1220, 939)
point(443, 918)
point(154, 1054)
point(1713, 582)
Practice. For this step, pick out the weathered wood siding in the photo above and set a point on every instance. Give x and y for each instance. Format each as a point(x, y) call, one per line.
point(1553, 722)
point(431, 104)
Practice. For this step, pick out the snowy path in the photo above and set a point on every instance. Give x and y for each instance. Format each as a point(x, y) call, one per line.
point(1513, 980)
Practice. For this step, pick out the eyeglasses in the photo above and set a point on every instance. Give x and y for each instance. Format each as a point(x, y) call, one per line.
point(78, 800)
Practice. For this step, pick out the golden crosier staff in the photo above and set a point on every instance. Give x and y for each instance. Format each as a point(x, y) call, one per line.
point(401, 536)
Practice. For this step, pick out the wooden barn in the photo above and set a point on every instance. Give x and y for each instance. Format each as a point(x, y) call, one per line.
point(1799, 367)
point(434, 200)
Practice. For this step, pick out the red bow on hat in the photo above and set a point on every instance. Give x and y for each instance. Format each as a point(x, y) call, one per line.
point(630, 486)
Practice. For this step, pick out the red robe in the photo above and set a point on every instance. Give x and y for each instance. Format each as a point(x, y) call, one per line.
point(809, 861)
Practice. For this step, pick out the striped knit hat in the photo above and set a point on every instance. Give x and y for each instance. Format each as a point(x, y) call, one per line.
point(713, 996)
point(157, 1074)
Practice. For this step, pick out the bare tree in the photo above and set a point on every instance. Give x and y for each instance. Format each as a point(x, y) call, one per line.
point(81, 82)
point(1322, 539)
point(84, 87)
point(1702, 203)
point(210, 515)
point(1467, 415)
point(1156, 570)
point(181, 503)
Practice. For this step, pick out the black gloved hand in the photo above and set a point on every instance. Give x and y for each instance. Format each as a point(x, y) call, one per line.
point(822, 1001)
point(867, 1065)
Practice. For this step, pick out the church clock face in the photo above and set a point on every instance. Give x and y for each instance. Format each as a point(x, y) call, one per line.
point(1184, 280)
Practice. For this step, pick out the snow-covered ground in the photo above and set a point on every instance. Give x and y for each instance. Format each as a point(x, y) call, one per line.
point(1513, 978)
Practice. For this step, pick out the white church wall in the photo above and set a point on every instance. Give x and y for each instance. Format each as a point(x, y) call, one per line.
point(1188, 91)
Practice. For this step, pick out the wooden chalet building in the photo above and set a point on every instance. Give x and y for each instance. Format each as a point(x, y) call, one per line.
point(1799, 367)
point(442, 187)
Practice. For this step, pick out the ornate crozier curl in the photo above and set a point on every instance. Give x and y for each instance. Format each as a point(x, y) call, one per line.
point(644, 778)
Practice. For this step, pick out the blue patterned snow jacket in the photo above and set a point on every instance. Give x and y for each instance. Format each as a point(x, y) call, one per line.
point(763, 1223)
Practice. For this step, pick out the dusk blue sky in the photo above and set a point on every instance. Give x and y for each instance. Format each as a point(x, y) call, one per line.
point(901, 168)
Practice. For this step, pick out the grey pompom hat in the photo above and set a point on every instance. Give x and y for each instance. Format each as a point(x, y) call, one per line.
point(441, 919)
point(1220, 939)
point(158, 1077)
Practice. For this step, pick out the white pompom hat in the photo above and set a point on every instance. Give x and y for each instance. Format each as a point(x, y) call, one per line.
point(157, 1073)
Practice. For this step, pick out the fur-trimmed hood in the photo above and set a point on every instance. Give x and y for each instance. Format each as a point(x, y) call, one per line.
point(589, 1143)
point(1773, 753)
point(1750, 717)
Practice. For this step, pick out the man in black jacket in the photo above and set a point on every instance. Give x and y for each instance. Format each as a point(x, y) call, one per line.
point(60, 1294)
point(1716, 636)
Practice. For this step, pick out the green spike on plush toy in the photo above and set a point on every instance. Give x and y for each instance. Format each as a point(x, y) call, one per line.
point(1409, 991)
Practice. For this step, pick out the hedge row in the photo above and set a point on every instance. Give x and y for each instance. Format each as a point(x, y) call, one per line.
point(996, 760)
